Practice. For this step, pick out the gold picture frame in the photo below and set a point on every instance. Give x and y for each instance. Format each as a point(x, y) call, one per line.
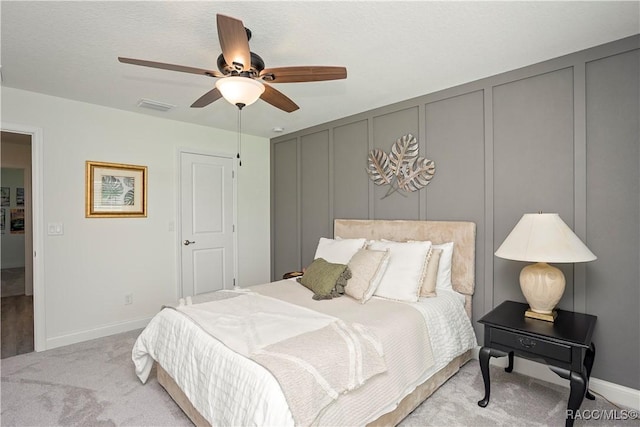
point(115, 190)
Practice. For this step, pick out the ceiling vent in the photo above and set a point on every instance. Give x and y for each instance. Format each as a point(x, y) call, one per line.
point(155, 105)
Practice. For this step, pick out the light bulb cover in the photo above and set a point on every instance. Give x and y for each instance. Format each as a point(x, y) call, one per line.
point(240, 90)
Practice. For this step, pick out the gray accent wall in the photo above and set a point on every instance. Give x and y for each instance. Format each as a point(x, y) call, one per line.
point(560, 136)
point(613, 215)
point(285, 250)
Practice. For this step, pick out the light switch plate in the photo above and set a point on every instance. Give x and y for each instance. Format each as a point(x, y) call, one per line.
point(55, 229)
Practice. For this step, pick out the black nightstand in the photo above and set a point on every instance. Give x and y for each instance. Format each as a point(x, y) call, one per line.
point(564, 345)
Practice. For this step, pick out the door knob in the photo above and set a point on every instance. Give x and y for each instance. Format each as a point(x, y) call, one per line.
point(187, 242)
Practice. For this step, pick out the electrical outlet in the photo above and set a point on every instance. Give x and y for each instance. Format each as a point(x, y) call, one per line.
point(128, 299)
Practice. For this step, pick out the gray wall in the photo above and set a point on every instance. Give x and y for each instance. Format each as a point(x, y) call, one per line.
point(560, 136)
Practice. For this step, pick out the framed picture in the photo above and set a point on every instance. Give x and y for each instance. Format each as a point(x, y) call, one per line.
point(17, 221)
point(5, 195)
point(20, 196)
point(115, 190)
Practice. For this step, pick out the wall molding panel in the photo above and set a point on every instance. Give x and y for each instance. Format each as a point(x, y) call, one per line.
point(558, 136)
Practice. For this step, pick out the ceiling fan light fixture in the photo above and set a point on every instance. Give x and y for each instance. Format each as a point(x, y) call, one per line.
point(240, 90)
point(242, 72)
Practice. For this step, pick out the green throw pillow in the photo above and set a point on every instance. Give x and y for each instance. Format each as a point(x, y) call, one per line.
point(326, 280)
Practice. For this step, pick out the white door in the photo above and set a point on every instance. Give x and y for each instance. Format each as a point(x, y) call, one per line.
point(207, 215)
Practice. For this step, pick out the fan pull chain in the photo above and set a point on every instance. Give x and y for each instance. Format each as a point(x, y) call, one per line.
point(239, 135)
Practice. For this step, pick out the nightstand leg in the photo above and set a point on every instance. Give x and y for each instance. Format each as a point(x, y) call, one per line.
point(510, 367)
point(588, 364)
point(578, 387)
point(485, 354)
point(483, 357)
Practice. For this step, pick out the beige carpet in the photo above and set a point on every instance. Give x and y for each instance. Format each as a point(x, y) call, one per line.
point(93, 384)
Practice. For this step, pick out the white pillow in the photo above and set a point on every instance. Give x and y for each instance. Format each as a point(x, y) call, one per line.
point(407, 264)
point(338, 251)
point(367, 268)
point(444, 268)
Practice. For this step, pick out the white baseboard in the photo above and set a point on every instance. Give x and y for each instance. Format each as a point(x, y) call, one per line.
point(100, 332)
point(618, 394)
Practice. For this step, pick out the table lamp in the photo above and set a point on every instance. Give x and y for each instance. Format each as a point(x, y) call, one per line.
point(543, 238)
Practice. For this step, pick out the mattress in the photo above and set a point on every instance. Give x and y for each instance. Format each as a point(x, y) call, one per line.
point(229, 389)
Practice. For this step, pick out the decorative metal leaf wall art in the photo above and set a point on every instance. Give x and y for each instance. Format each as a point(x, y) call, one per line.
point(402, 169)
point(403, 152)
point(378, 167)
point(418, 174)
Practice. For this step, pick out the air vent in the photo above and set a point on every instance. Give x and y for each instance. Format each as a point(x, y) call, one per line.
point(155, 105)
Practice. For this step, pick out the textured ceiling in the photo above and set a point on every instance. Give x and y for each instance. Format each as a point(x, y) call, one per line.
point(392, 50)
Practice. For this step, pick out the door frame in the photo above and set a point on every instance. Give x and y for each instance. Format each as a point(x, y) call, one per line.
point(37, 235)
point(178, 225)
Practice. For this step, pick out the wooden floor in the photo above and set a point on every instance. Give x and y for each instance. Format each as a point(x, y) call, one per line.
point(17, 325)
point(12, 281)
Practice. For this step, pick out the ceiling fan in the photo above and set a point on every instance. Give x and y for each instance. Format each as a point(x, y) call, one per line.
point(246, 71)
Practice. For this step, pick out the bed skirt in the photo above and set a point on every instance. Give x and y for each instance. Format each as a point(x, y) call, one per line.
point(405, 407)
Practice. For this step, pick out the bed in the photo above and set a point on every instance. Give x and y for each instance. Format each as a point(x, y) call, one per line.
point(224, 385)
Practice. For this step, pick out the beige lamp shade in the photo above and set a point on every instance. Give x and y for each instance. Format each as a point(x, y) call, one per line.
point(543, 238)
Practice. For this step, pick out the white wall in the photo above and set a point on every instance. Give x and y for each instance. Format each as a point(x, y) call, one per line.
point(89, 269)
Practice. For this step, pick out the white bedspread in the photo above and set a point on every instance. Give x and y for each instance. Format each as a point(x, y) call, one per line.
point(250, 322)
point(315, 357)
point(244, 393)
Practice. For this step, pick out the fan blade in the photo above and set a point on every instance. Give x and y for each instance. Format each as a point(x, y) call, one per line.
point(304, 74)
point(278, 99)
point(171, 67)
point(233, 41)
point(206, 99)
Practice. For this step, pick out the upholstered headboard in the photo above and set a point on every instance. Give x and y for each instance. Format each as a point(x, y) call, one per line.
point(462, 233)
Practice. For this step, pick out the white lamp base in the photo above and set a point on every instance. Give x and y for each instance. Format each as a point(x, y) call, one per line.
point(542, 286)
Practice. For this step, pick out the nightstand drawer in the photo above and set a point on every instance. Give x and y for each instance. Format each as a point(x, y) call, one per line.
point(532, 345)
